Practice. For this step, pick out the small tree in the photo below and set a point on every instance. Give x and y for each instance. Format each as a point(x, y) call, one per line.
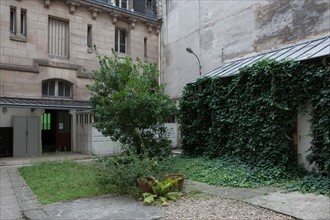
point(131, 104)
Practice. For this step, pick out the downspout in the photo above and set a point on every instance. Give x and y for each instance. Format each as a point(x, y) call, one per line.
point(159, 54)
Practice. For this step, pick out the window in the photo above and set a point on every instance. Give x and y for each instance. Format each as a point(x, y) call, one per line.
point(45, 121)
point(120, 41)
point(58, 38)
point(121, 3)
point(145, 47)
point(48, 88)
point(23, 22)
point(63, 89)
point(89, 36)
point(58, 88)
point(149, 4)
point(13, 20)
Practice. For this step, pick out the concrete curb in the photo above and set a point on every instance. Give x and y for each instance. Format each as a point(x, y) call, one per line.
point(27, 201)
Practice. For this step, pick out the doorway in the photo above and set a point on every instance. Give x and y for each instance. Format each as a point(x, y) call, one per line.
point(56, 131)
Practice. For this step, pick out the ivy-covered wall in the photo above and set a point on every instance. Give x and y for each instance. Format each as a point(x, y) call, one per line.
point(252, 115)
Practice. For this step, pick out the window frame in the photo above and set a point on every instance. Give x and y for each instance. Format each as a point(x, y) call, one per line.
point(56, 89)
point(23, 28)
point(118, 43)
point(145, 47)
point(149, 4)
point(12, 20)
point(53, 40)
point(89, 36)
point(119, 3)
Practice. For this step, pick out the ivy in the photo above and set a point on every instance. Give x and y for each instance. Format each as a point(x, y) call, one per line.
point(252, 115)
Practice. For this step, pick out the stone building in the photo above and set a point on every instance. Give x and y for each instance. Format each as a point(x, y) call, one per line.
point(226, 35)
point(44, 47)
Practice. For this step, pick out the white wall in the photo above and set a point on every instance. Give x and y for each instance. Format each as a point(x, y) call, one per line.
point(304, 138)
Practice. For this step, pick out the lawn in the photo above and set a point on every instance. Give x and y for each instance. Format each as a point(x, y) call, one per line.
point(61, 181)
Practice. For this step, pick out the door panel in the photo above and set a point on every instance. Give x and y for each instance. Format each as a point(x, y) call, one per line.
point(19, 146)
point(63, 131)
point(33, 130)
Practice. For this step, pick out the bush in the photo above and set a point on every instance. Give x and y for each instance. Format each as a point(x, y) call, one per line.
point(131, 104)
point(124, 170)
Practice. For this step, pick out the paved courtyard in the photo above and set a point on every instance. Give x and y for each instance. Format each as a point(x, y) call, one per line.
point(19, 202)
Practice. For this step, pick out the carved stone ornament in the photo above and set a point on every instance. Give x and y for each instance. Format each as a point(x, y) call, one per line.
point(94, 12)
point(149, 26)
point(72, 6)
point(47, 3)
point(157, 30)
point(132, 22)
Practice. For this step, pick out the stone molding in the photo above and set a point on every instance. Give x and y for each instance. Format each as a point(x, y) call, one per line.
point(37, 63)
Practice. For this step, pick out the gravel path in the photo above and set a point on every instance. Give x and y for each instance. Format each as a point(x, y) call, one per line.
point(210, 208)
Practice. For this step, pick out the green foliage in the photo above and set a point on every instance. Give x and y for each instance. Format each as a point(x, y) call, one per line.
point(124, 170)
point(312, 183)
point(230, 171)
point(131, 105)
point(61, 181)
point(162, 191)
point(251, 116)
point(227, 171)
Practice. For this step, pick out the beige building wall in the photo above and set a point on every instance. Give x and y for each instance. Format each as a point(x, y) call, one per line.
point(220, 31)
point(25, 61)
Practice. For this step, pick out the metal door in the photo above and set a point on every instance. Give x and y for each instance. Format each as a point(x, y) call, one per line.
point(26, 136)
point(33, 131)
point(19, 123)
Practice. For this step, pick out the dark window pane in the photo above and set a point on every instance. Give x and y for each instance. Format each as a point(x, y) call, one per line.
point(122, 48)
point(60, 89)
point(89, 36)
point(45, 88)
point(23, 22)
point(117, 3)
point(124, 4)
point(67, 90)
point(12, 20)
point(51, 88)
point(122, 37)
point(116, 40)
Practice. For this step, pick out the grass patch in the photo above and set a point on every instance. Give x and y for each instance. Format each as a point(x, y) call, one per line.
point(231, 172)
point(61, 181)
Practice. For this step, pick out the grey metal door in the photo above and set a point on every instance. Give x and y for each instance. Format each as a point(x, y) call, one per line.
point(26, 136)
point(19, 123)
point(33, 137)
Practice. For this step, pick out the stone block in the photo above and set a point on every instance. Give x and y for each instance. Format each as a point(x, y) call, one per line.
point(7, 76)
point(20, 61)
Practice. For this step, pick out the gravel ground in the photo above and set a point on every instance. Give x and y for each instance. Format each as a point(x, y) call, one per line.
point(209, 208)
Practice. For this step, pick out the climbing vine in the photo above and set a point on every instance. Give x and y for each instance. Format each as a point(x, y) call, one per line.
point(252, 115)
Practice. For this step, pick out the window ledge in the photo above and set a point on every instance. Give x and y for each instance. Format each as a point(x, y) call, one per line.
point(17, 37)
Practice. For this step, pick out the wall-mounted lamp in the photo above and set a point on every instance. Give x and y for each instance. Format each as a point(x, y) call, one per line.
point(4, 109)
point(33, 109)
point(189, 50)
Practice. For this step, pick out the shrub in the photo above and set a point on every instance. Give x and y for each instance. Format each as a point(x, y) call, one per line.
point(131, 104)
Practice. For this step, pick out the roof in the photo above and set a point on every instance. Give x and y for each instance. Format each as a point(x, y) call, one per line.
point(107, 5)
point(63, 104)
point(303, 51)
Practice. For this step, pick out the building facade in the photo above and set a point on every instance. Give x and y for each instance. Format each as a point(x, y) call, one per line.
point(222, 32)
point(47, 60)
